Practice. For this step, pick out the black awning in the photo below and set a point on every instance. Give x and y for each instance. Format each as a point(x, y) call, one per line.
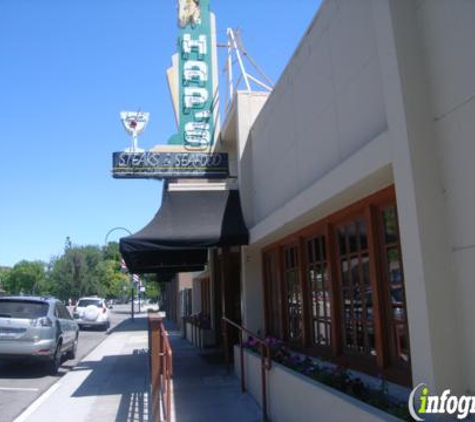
point(187, 224)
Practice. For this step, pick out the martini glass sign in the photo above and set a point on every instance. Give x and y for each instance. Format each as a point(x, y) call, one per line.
point(134, 123)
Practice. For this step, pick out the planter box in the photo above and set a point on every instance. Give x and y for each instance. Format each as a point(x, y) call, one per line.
point(208, 337)
point(294, 397)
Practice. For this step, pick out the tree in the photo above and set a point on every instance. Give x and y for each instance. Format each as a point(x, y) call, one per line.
point(87, 270)
point(26, 277)
point(4, 274)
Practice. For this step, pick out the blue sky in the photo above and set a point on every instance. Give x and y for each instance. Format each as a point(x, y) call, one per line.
point(67, 68)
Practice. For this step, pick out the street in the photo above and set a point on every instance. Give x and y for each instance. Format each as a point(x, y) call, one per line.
point(21, 383)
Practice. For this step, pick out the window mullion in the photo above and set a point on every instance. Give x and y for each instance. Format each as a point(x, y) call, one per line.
point(379, 320)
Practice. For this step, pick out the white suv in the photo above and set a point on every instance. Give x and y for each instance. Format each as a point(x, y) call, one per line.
point(92, 312)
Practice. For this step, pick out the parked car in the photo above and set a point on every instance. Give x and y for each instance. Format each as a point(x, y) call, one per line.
point(37, 328)
point(92, 312)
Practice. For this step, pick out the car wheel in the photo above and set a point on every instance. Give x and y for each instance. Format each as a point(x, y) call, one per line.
point(55, 362)
point(73, 351)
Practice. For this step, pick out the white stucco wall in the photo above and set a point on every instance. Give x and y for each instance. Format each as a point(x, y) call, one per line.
point(447, 31)
point(326, 106)
point(252, 290)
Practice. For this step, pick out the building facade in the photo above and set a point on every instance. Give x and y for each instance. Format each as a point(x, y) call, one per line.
point(354, 177)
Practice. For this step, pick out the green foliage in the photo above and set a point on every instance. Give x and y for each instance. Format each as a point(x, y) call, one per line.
point(79, 271)
point(26, 277)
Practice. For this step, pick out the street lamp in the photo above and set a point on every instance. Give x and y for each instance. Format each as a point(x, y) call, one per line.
point(131, 275)
point(113, 230)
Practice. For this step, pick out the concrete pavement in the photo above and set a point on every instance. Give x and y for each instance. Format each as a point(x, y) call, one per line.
point(109, 384)
point(204, 390)
point(112, 384)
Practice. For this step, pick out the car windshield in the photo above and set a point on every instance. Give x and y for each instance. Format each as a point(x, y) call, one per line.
point(86, 302)
point(22, 309)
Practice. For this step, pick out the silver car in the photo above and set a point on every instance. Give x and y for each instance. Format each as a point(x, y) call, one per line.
point(37, 328)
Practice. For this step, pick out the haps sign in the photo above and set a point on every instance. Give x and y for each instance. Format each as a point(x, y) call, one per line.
point(195, 80)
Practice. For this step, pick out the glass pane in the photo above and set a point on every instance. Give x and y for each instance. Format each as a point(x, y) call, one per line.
point(327, 304)
point(342, 240)
point(363, 236)
point(369, 303)
point(394, 266)
point(310, 257)
point(347, 314)
point(345, 279)
point(365, 264)
point(316, 242)
point(357, 303)
point(402, 342)
point(323, 248)
point(22, 309)
point(390, 224)
point(321, 305)
point(292, 258)
point(352, 237)
point(323, 338)
point(371, 340)
point(328, 333)
point(359, 337)
point(349, 341)
point(398, 313)
point(355, 271)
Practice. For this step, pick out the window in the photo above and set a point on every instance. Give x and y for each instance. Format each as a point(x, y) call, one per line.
point(394, 289)
point(319, 289)
point(62, 312)
point(22, 309)
point(336, 289)
point(294, 293)
point(355, 288)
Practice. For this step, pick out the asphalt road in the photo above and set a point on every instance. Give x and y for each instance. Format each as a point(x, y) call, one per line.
point(22, 383)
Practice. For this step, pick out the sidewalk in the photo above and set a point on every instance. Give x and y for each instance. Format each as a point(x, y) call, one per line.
point(203, 390)
point(112, 384)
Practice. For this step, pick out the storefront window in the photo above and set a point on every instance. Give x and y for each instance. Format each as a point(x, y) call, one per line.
point(294, 293)
point(355, 288)
point(320, 300)
point(331, 277)
point(399, 341)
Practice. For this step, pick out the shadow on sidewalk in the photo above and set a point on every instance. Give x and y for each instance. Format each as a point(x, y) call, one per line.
point(127, 325)
point(124, 376)
point(204, 389)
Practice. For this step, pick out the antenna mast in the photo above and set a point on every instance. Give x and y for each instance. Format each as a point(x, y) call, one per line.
point(237, 54)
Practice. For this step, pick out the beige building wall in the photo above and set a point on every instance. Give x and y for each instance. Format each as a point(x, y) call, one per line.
point(377, 92)
point(447, 31)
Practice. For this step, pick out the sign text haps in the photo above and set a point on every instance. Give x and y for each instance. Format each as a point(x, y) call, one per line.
point(151, 164)
point(196, 52)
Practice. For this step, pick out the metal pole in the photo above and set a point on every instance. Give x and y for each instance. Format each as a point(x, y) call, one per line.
point(238, 55)
point(132, 286)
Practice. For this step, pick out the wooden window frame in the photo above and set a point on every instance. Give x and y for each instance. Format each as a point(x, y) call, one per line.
point(370, 209)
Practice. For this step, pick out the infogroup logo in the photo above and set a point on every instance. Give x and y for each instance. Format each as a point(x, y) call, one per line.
point(421, 404)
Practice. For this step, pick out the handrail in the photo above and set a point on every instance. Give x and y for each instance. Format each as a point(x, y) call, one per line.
point(161, 367)
point(264, 350)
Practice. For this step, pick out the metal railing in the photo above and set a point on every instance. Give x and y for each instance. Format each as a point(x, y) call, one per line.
point(264, 351)
point(161, 368)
